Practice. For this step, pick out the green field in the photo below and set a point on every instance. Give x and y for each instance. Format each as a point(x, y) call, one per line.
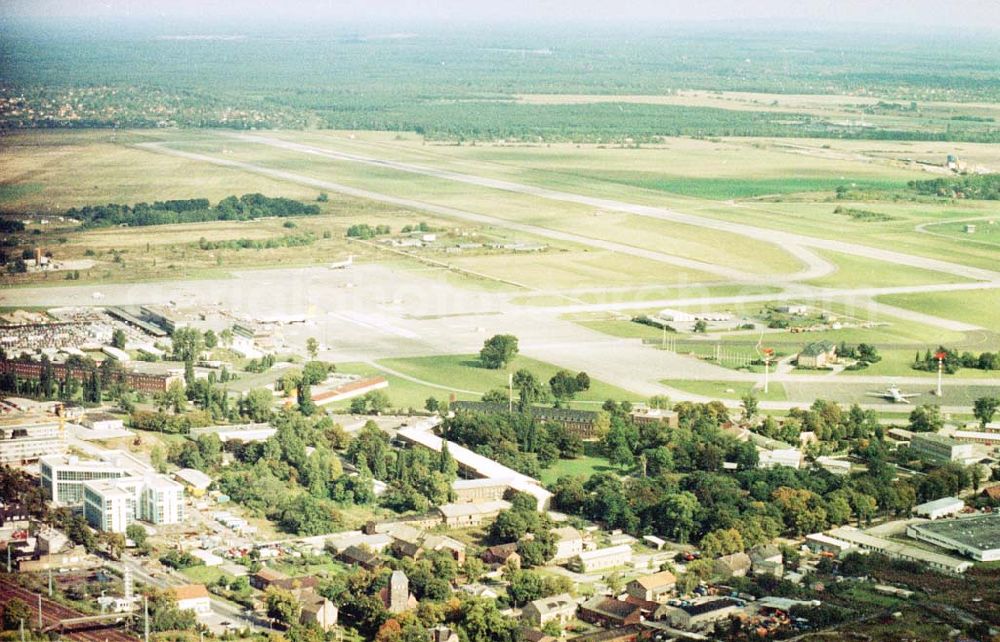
point(981, 307)
point(856, 272)
point(206, 575)
point(463, 372)
point(729, 389)
point(589, 464)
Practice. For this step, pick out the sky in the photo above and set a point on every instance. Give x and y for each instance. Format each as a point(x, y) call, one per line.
point(918, 14)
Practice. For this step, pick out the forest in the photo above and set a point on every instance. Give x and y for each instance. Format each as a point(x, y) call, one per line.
point(231, 208)
point(465, 84)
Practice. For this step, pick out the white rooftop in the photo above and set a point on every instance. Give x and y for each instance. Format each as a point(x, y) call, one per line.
point(945, 503)
point(605, 552)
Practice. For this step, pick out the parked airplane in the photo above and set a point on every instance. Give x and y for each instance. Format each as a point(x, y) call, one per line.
point(894, 394)
point(343, 265)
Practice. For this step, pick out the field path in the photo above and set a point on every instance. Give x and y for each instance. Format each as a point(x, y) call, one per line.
point(798, 245)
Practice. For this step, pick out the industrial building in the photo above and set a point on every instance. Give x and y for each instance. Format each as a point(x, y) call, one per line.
point(29, 437)
point(944, 507)
point(602, 558)
point(898, 550)
point(977, 537)
point(473, 463)
point(941, 449)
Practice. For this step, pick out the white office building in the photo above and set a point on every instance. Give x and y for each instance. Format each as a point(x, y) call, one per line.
point(112, 504)
point(63, 476)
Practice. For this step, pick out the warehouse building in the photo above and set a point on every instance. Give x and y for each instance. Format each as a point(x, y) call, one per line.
point(977, 537)
point(898, 550)
point(944, 507)
point(602, 558)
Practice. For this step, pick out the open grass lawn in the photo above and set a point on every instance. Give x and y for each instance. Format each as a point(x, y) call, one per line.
point(728, 389)
point(403, 393)
point(856, 271)
point(591, 463)
point(206, 575)
point(464, 372)
point(981, 308)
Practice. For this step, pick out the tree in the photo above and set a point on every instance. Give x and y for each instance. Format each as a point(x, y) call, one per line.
point(678, 513)
point(118, 338)
point(926, 418)
point(282, 605)
point(306, 404)
point(564, 385)
point(984, 408)
point(16, 612)
point(498, 351)
point(432, 405)
point(750, 405)
point(256, 405)
point(700, 326)
point(136, 533)
point(529, 388)
point(211, 339)
point(312, 347)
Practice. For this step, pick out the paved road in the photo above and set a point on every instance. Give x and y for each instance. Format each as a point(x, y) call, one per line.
point(796, 244)
point(220, 608)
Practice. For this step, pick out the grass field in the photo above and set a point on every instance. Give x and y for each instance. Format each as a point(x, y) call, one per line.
point(592, 462)
point(981, 308)
point(463, 372)
point(728, 389)
point(206, 575)
point(856, 271)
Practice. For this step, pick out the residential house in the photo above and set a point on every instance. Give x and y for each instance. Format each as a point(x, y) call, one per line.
point(320, 611)
point(766, 559)
point(608, 612)
point(502, 555)
point(265, 577)
point(454, 547)
point(653, 588)
point(699, 613)
point(193, 597)
point(735, 565)
point(818, 354)
point(558, 608)
point(655, 416)
point(359, 556)
point(569, 543)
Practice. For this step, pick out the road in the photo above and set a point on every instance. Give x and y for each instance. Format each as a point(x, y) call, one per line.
point(222, 609)
point(53, 612)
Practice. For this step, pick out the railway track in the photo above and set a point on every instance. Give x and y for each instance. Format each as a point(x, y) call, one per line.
point(53, 612)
